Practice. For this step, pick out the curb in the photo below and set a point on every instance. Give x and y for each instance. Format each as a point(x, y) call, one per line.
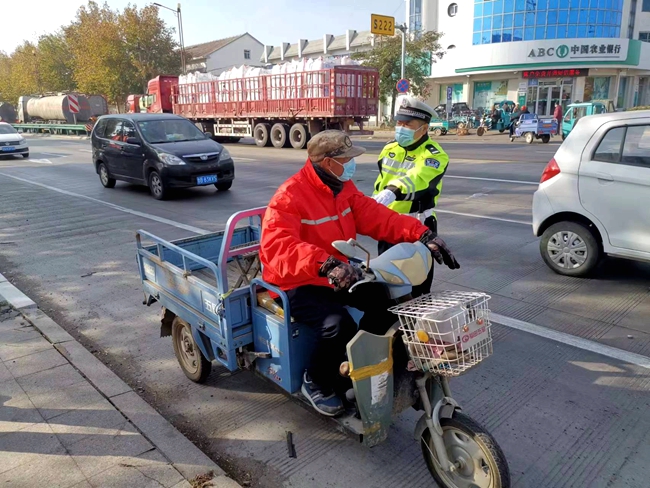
point(184, 456)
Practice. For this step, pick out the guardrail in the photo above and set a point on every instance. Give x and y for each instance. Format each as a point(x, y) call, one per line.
point(59, 129)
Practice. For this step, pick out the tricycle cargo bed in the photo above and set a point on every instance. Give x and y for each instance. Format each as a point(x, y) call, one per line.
point(205, 280)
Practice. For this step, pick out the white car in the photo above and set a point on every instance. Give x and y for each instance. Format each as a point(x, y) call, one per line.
point(594, 196)
point(11, 142)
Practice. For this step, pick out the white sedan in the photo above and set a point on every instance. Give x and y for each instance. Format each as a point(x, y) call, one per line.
point(11, 142)
point(594, 196)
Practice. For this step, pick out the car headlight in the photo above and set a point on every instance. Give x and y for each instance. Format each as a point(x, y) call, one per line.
point(170, 159)
point(225, 154)
point(22, 142)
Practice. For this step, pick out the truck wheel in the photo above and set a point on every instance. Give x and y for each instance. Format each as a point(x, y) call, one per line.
point(437, 132)
point(192, 361)
point(298, 136)
point(279, 135)
point(530, 137)
point(262, 134)
point(546, 138)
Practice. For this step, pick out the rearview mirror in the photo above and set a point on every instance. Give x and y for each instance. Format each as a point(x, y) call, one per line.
point(133, 140)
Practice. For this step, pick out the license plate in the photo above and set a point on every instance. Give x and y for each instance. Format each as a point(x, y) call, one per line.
point(8, 149)
point(206, 180)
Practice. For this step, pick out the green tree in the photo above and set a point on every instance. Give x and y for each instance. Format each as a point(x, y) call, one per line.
point(24, 74)
point(149, 45)
point(55, 63)
point(421, 50)
point(99, 56)
point(5, 73)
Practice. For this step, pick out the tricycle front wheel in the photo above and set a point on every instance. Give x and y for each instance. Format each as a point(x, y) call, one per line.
point(479, 461)
point(530, 137)
point(195, 366)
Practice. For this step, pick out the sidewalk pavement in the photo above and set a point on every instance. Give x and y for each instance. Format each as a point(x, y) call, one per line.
point(66, 420)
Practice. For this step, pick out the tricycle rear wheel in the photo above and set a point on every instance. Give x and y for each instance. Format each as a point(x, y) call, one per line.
point(546, 138)
point(481, 461)
point(195, 366)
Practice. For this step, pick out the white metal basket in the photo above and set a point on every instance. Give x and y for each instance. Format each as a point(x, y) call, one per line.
point(446, 333)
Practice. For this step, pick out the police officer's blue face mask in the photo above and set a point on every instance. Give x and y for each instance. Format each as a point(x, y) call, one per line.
point(405, 136)
point(348, 170)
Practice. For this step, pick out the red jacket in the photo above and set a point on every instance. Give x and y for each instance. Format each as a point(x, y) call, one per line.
point(304, 218)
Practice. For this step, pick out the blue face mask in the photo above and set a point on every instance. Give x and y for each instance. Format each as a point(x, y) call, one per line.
point(404, 136)
point(348, 170)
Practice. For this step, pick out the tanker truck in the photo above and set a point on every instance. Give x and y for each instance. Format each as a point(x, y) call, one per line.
point(55, 109)
point(7, 113)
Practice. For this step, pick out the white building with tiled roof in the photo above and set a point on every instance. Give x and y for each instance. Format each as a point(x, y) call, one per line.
point(345, 44)
point(220, 55)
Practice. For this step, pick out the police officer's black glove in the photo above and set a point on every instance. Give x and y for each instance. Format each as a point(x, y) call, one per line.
point(341, 275)
point(439, 250)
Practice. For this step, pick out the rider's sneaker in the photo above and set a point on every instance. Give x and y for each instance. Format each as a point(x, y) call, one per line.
point(330, 405)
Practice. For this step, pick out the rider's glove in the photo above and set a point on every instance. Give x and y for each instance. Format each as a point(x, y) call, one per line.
point(341, 275)
point(439, 250)
point(385, 197)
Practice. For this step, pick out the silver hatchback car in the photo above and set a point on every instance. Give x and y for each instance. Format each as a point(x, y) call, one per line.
point(594, 195)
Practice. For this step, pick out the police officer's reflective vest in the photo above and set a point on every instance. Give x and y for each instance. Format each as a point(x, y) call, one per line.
point(417, 173)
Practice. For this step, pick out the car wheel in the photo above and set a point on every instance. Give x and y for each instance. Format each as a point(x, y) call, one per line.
point(570, 249)
point(157, 186)
point(104, 177)
point(223, 186)
point(25, 156)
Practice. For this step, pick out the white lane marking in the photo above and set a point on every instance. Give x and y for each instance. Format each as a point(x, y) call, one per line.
point(40, 161)
point(155, 218)
point(571, 340)
point(58, 155)
point(521, 222)
point(237, 158)
point(86, 150)
point(498, 180)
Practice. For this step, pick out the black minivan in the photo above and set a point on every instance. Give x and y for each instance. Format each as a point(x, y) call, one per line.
point(161, 151)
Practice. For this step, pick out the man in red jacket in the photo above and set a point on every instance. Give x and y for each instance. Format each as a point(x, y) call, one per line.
point(313, 208)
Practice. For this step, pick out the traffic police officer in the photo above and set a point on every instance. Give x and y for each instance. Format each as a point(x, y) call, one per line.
point(410, 171)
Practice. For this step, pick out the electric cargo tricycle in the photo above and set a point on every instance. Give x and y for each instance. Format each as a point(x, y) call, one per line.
point(216, 308)
point(531, 127)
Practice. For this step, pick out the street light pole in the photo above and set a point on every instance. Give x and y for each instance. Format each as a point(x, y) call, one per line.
point(181, 38)
point(402, 29)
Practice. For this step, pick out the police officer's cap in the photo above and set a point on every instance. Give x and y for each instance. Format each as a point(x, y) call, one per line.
point(410, 108)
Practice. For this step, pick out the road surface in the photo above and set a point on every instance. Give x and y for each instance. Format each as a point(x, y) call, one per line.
point(568, 409)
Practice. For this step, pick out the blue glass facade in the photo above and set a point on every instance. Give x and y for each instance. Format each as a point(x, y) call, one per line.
point(526, 20)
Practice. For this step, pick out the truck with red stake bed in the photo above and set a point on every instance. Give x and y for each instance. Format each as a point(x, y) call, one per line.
point(283, 110)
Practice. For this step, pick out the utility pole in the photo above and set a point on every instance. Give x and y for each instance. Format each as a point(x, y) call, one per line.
point(402, 29)
point(181, 37)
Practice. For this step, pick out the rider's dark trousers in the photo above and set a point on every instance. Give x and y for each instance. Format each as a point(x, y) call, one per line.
point(425, 287)
point(323, 309)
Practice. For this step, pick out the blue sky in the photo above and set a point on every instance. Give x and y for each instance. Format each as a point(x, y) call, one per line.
point(270, 21)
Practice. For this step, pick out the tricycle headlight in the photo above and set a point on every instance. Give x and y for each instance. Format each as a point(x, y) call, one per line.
point(170, 159)
point(225, 154)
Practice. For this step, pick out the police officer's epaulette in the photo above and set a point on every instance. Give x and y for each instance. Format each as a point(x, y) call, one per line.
point(432, 149)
